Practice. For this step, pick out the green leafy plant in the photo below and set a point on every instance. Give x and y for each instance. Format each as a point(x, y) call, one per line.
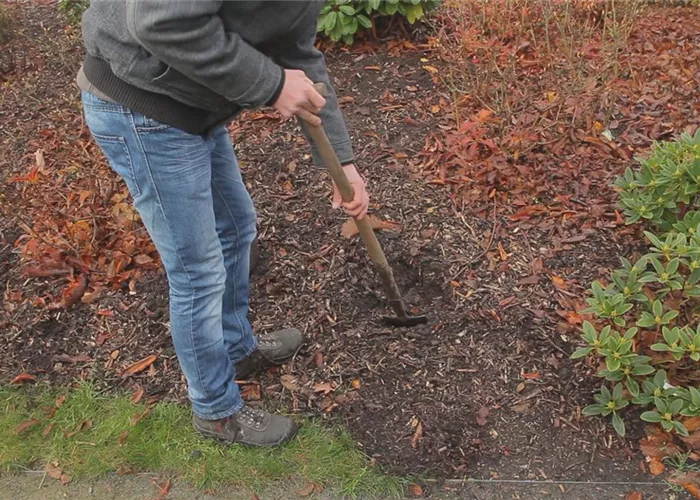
point(654, 364)
point(339, 19)
point(608, 303)
point(73, 9)
point(665, 413)
point(342, 19)
point(666, 186)
point(680, 342)
point(651, 295)
point(608, 403)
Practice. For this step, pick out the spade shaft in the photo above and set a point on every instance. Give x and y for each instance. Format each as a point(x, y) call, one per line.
point(374, 249)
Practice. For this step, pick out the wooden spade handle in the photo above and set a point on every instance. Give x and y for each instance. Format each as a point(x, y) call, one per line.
point(374, 249)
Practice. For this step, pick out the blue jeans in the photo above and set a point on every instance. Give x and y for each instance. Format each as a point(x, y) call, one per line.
point(190, 195)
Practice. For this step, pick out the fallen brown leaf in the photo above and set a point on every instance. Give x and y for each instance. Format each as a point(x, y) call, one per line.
point(48, 429)
point(80, 358)
point(123, 437)
point(415, 489)
point(417, 436)
point(139, 366)
point(634, 495)
point(306, 490)
point(656, 467)
point(60, 400)
point(658, 445)
point(65, 479)
point(692, 488)
point(318, 359)
point(72, 293)
point(350, 228)
point(692, 424)
point(138, 394)
point(355, 384)
point(481, 416)
point(558, 282)
point(102, 337)
point(22, 378)
point(290, 383)
point(40, 161)
point(688, 480)
point(143, 259)
point(324, 387)
point(251, 392)
point(530, 280)
point(48, 270)
point(124, 470)
point(90, 297)
point(523, 407)
point(164, 489)
point(53, 471)
point(26, 425)
point(501, 251)
point(135, 419)
point(532, 375)
point(693, 440)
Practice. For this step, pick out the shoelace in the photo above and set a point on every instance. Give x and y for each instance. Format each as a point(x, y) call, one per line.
point(252, 417)
point(268, 343)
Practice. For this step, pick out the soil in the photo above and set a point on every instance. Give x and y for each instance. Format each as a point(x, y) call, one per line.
point(486, 389)
point(34, 486)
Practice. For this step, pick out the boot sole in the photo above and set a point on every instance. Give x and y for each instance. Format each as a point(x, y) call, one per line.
point(222, 440)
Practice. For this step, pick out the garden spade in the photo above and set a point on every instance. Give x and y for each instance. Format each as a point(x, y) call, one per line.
point(374, 249)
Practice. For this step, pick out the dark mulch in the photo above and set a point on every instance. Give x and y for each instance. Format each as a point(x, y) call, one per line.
point(486, 389)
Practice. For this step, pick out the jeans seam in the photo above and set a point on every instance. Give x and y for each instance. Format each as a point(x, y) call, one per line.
point(127, 154)
point(177, 251)
point(236, 259)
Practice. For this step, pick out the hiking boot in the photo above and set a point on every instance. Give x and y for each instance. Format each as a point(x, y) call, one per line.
point(273, 349)
point(250, 426)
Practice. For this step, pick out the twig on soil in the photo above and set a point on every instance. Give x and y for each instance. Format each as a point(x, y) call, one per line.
point(43, 478)
point(485, 251)
point(570, 424)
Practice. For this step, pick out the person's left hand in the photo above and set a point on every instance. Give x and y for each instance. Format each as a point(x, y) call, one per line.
point(360, 202)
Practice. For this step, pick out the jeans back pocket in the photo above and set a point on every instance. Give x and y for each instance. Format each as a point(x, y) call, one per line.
point(119, 158)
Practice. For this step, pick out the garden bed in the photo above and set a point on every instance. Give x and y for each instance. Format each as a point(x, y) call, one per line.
point(486, 389)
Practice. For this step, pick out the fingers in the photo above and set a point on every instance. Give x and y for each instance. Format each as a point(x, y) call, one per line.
point(315, 98)
point(311, 108)
point(359, 205)
point(309, 117)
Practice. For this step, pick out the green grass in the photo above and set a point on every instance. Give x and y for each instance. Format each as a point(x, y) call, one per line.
point(164, 442)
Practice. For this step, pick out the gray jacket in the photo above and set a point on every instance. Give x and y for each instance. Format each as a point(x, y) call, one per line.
point(209, 58)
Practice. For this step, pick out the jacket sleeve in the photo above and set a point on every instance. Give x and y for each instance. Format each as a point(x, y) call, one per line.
point(303, 55)
point(190, 37)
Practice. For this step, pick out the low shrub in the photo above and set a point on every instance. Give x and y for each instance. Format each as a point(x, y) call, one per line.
point(644, 338)
point(664, 190)
point(73, 9)
point(339, 19)
point(342, 19)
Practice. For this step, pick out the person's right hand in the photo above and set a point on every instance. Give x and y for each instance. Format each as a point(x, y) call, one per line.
point(299, 98)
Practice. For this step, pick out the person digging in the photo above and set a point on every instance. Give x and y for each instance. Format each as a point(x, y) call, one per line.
point(160, 81)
